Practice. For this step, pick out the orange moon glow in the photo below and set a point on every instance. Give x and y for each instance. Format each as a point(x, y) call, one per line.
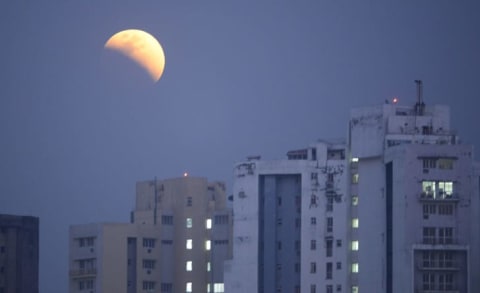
point(142, 48)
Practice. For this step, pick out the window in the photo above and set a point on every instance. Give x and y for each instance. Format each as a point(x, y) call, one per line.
point(428, 259)
point(313, 200)
point(313, 220)
point(313, 267)
point(313, 244)
point(329, 248)
point(279, 201)
point(354, 289)
point(218, 288)
point(445, 209)
point(224, 242)
point(313, 288)
point(221, 219)
point(329, 204)
point(297, 222)
point(339, 242)
point(209, 266)
point(355, 267)
point(329, 270)
point(429, 163)
point(189, 201)
point(428, 281)
point(297, 267)
point(166, 287)
point(354, 200)
point(86, 241)
point(355, 245)
point(355, 223)
point(445, 163)
point(355, 178)
point(445, 235)
point(437, 189)
point(167, 242)
point(167, 220)
point(189, 223)
point(208, 224)
point(329, 288)
point(188, 287)
point(189, 266)
point(189, 244)
point(339, 288)
point(149, 242)
point(148, 285)
point(279, 245)
point(208, 245)
point(428, 235)
point(329, 224)
point(429, 209)
point(354, 160)
point(149, 264)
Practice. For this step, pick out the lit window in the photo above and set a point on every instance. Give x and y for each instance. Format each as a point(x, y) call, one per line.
point(189, 266)
point(354, 289)
point(218, 288)
point(209, 267)
point(207, 245)
point(355, 267)
point(189, 223)
point(208, 287)
point(355, 223)
point(355, 245)
point(354, 160)
point(354, 200)
point(189, 244)
point(355, 178)
point(208, 223)
point(189, 286)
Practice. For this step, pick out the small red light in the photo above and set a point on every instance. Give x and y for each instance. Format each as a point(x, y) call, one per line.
point(395, 100)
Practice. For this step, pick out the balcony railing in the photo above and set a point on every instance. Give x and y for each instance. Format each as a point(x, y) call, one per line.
point(424, 196)
point(83, 272)
point(438, 265)
point(440, 241)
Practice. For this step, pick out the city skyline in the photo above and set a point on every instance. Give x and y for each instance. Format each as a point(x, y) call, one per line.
point(81, 124)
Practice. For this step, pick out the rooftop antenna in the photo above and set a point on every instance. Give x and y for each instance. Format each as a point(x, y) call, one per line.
point(420, 105)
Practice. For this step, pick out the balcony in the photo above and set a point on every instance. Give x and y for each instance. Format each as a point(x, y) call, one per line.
point(438, 265)
point(82, 273)
point(438, 197)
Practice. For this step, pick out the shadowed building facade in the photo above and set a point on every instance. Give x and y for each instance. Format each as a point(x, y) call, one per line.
point(179, 237)
point(19, 236)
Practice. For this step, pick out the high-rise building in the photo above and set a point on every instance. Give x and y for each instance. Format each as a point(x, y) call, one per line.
point(18, 254)
point(415, 205)
point(290, 229)
point(179, 237)
point(394, 210)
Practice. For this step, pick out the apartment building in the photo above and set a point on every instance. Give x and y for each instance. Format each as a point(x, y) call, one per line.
point(19, 248)
point(290, 230)
point(414, 194)
point(177, 241)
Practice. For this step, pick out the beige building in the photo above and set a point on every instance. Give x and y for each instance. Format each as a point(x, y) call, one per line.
point(179, 237)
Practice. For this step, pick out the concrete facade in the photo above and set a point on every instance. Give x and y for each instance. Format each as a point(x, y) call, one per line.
point(416, 202)
point(19, 247)
point(179, 236)
point(405, 211)
point(289, 232)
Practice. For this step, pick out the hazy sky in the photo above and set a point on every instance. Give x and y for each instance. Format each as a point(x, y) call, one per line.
point(80, 125)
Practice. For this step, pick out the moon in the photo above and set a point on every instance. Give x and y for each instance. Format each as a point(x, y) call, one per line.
point(142, 48)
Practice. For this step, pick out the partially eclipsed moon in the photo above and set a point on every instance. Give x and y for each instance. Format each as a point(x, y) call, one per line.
point(142, 48)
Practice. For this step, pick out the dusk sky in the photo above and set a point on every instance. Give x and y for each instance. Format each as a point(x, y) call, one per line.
point(81, 124)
